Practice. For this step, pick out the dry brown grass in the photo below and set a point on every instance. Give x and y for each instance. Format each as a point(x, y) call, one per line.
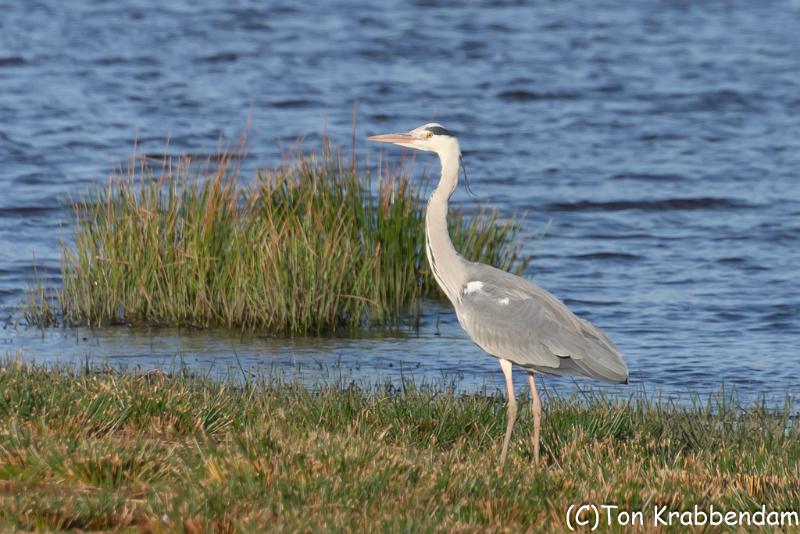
point(160, 453)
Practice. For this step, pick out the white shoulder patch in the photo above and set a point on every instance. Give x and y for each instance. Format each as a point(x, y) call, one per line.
point(473, 286)
point(503, 301)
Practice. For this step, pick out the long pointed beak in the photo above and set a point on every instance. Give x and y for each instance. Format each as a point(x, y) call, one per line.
point(394, 138)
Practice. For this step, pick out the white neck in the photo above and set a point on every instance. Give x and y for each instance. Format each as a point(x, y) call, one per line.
point(448, 266)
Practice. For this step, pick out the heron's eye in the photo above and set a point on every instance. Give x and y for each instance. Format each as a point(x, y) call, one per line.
point(428, 135)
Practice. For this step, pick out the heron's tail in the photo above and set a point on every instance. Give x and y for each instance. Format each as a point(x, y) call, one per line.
point(603, 360)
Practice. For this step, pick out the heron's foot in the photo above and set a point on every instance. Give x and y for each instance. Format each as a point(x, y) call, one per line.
point(512, 413)
point(503, 455)
point(536, 438)
point(536, 412)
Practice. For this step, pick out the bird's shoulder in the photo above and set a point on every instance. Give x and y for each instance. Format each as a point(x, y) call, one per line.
point(493, 289)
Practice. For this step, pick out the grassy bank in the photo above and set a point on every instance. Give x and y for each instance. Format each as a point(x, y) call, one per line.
point(308, 247)
point(151, 452)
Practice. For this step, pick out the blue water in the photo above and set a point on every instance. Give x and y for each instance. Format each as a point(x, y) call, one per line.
point(662, 138)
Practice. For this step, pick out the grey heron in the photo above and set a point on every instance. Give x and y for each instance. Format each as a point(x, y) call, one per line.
point(509, 317)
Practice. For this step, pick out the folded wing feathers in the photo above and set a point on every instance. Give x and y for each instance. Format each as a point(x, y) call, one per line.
point(534, 329)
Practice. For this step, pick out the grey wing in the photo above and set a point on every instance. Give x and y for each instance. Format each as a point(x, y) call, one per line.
point(512, 318)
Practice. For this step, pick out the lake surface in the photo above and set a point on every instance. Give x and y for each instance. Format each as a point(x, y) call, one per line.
point(661, 138)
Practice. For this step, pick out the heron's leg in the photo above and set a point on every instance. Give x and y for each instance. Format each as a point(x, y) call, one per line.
point(536, 410)
point(512, 410)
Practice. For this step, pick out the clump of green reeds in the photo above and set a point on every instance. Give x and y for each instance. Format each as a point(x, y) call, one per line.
point(310, 246)
point(102, 450)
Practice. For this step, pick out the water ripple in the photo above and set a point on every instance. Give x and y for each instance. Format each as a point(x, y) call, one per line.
point(12, 61)
point(669, 204)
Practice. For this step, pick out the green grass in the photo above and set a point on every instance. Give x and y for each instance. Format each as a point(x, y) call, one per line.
point(96, 449)
point(310, 247)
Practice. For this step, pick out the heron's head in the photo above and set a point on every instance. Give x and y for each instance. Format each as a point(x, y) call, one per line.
point(432, 137)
